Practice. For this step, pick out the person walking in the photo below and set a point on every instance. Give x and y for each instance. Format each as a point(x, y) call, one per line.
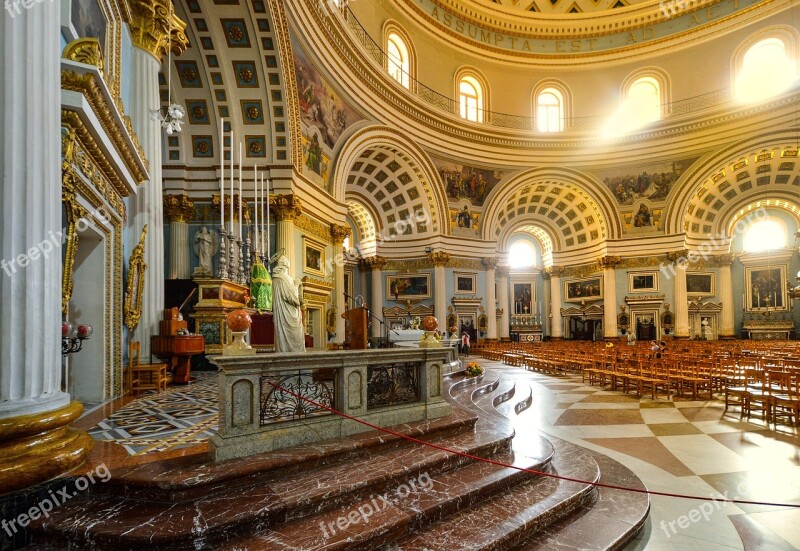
point(465, 344)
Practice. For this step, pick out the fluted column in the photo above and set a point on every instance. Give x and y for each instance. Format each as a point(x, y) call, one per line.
point(440, 259)
point(338, 235)
point(727, 329)
point(178, 210)
point(609, 265)
point(376, 265)
point(556, 321)
point(503, 301)
point(681, 300)
point(34, 445)
point(491, 300)
point(287, 209)
point(150, 30)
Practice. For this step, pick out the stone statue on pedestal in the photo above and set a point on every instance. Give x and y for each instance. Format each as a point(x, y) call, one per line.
point(205, 247)
point(286, 309)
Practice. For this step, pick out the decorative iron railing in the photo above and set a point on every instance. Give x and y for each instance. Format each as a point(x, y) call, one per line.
point(287, 397)
point(389, 385)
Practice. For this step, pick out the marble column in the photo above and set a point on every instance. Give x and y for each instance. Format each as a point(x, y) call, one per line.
point(338, 235)
point(727, 329)
point(491, 300)
point(178, 209)
point(286, 210)
point(681, 301)
point(440, 259)
point(150, 31)
point(35, 444)
point(556, 321)
point(609, 265)
point(376, 264)
point(503, 302)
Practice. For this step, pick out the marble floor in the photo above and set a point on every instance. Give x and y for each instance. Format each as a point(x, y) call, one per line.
point(678, 446)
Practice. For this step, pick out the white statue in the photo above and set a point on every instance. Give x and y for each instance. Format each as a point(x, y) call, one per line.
point(205, 247)
point(286, 309)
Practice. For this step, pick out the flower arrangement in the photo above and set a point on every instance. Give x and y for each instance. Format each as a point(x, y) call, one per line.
point(474, 369)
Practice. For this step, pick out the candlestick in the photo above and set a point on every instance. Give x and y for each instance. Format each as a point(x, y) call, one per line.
point(241, 166)
point(222, 172)
point(230, 232)
point(264, 250)
point(255, 224)
point(268, 242)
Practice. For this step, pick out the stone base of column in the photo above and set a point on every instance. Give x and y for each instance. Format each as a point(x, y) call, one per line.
point(556, 338)
point(727, 337)
point(681, 337)
point(615, 339)
point(36, 448)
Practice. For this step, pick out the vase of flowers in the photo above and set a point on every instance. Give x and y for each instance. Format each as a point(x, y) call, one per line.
point(474, 369)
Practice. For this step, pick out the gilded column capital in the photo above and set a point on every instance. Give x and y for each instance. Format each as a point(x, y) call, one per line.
point(286, 207)
point(339, 234)
point(721, 260)
point(553, 271)
point(156, 28)
point(178, 208)
point(609, 262)
point(502, 271)
point(677, 256)
point(375, 263)
point(489, 263)
point(439, 259)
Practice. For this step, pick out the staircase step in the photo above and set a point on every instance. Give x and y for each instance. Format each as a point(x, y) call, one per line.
point(489, 401)
point(398, 514)
point(508, 519)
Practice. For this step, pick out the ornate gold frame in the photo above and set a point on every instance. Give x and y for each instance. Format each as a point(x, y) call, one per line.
point(135, 288)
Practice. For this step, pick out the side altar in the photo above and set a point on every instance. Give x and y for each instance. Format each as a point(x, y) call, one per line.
point(274, 401)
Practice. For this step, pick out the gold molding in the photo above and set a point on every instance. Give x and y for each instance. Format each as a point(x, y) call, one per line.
point(286, 208)
point(339, 233)
point(135, 161)
point(375, 263)
point(439, 259)
point(135, 289)
point(85, 50)
point(156, 29)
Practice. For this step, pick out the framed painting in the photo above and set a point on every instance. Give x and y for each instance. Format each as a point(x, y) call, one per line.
point(765, 287)
point(313, 257)
point(408, 286)
point(466, 284)
point(642, 282)
point(88, 20)
point(589, 288)
point(700, 284)
point(348, 288)
point(523, 298)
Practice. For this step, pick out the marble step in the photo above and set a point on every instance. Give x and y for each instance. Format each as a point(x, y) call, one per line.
point(508, 519)
point(374, 521)
point(523, 400)
point(100, 521)
point(608, 523)
point(489, 401)
point(185, 478)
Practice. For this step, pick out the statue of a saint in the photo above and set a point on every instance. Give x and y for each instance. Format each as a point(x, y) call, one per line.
point(286, 309)
point(205, 247)
point(260, 287)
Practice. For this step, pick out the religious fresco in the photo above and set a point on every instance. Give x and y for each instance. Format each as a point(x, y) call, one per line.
point(643, 217)
point(88, 20)
point(320, 106)
point(464, 222)
point(314, 159)
point(651, 182)
point(467, 182)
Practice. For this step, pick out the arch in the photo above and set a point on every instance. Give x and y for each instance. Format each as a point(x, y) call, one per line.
point(572, 207)
point(365, 224)
point(469, 77)
point(550, 85)
point(779, 37)
point(395, 35)
point(712, 191)
point(652, 76)
point(540, 234)
point(386, 146)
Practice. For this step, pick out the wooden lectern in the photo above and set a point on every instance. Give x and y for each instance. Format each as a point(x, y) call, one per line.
point(177, 349)
point(355, 323)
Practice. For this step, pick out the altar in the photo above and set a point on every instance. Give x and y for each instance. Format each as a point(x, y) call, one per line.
point(768, 329)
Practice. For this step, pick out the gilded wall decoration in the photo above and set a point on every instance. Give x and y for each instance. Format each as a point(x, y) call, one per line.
point(467, 182)
point(135, 288)
point(320, 106)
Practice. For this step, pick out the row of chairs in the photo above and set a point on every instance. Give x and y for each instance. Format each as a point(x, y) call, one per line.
point(775, 394)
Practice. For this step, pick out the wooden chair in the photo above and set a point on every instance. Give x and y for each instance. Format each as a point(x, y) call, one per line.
point(785, 396)
point(144, 376)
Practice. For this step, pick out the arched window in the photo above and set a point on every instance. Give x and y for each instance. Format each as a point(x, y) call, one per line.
point(765, 70)
point(765, 234)
point(550, 111)
point(644, 99)
point(470, 98)
point(521, 255)
point(399, 62)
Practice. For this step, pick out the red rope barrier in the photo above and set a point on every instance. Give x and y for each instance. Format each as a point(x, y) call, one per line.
point(523, 469)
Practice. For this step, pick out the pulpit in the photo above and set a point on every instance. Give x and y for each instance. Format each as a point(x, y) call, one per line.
point(177, 348)
point(355, 323)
